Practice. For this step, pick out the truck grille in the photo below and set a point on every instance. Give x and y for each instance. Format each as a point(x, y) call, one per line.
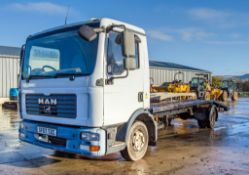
point(58, 105)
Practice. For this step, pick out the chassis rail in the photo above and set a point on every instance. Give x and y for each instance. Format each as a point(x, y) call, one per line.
point(167, 108)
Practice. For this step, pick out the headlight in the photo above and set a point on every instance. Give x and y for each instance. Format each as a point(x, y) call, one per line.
point(89, 136)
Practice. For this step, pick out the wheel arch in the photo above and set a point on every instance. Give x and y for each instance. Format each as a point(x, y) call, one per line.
point(147, 118)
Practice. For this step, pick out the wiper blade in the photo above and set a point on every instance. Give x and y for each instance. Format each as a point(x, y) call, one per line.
point(71, 76)
point(59, 74)
point(36, 76)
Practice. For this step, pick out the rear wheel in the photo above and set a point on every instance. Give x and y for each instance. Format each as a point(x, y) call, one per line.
point(224, 96)
point(212, 118)
point(209, 120)
point(235, 96)
point(207, 96)
point(137, 143)
point(202, 123)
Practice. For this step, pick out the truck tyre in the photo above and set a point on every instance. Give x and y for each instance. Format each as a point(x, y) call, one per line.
point(224, 96)
point(202, 123)
point(235, 96)
point(137, 142)
point(184, 117)
point(207, 96)
point(212, 118)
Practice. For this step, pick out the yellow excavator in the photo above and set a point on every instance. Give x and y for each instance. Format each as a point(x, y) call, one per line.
point(198, 85)
point(177, 86)
point(204, 90)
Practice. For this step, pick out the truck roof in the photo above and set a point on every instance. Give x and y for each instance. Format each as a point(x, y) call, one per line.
point(102, 21)
point(108, 21)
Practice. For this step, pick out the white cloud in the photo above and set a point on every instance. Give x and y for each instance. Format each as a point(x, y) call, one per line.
point(245, 72)
point(183, 34)
point(235, 35)
point(190, 34)
point(186, 35)
point(159, 35)
point(208, 14)
point(228, 42)
point(219, 18)
point(41, 7)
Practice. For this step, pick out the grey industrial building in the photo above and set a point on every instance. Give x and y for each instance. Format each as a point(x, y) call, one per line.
point(9, 69)
point(160, 72)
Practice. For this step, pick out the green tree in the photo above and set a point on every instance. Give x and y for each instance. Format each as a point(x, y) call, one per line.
point(245, 86)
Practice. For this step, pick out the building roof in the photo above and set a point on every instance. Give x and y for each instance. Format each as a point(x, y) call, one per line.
point(174, 66)
point(12, 51)
point(15, 51)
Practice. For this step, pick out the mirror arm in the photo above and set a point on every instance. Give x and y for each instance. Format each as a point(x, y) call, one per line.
point(110, 28)
point(110, 80)
point(99, 30)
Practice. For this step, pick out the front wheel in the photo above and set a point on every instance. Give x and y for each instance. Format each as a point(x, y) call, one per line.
point(137, 142)
point(212, 118)
point(224, 96)
point(207, 96)
point(235, 96)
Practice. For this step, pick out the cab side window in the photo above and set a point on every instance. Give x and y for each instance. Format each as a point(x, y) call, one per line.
point(115, 58)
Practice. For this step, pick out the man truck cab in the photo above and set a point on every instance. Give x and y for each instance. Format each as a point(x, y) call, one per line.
point(80, 81)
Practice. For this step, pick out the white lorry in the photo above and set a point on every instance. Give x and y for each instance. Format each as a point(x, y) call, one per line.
point(85, 89)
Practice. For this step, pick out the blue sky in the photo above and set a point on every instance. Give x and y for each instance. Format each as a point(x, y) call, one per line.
point(208, 34)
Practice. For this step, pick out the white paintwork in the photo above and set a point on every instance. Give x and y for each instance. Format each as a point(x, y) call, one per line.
point(121, 97)
point(86, 105)
point(96, 105)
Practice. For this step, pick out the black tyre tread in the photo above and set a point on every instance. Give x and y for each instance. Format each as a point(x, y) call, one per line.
point(235, 96)
point(206, 122)
point(125, 155)
point(202, 123)
point(224, 96)
point(125, 152)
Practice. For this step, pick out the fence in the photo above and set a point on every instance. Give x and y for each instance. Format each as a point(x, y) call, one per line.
point(244, 94)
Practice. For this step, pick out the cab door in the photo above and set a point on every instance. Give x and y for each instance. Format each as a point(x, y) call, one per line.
point(124, 95)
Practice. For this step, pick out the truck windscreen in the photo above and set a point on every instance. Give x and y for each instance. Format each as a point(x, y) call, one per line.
point(59, 54)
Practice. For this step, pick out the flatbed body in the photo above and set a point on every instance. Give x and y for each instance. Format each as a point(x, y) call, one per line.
point(168, 107)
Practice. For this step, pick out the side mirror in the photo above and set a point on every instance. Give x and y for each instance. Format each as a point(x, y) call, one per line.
point(87, 33)
point(129, 50)
point(130, 63)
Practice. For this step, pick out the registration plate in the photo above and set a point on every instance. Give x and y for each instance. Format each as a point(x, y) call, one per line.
point(46, 131)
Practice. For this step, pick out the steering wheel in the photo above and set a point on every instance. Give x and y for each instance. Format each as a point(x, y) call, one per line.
point(47, 66)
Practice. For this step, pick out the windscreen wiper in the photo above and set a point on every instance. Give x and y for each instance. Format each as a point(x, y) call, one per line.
point(35, 76)
point(67, 74)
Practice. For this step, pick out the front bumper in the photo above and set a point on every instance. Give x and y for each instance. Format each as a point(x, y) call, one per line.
point(67, 139)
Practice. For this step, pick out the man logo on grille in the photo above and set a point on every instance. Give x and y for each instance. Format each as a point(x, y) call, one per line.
point(47, 101)
point(47, 109)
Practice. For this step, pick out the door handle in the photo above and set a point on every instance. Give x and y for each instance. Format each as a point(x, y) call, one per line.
point(140, 96)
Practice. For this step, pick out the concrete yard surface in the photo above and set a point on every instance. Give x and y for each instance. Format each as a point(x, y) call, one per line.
point(181, 149)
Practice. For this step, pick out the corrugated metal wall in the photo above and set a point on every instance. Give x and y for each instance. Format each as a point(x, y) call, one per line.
point(9, 70)
point(161, 75)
